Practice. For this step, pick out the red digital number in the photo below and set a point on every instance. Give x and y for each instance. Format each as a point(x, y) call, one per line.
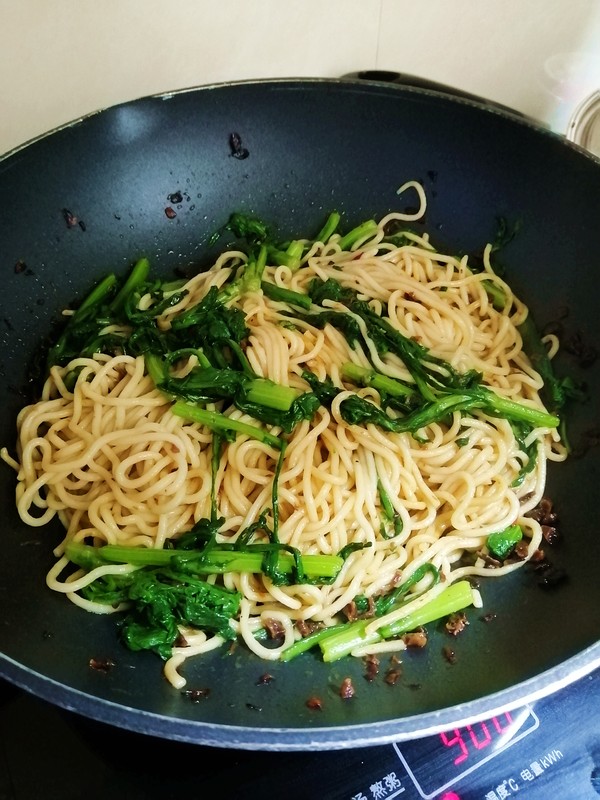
point(456, 739)
point(499, 726)
point(480, 743)
point(479, 739)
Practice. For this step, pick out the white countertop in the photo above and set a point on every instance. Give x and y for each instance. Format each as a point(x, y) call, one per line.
point(62, 59)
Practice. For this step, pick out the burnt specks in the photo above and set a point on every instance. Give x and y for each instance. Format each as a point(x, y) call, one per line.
point(520, 551)
point(548, 575)
point(416, 638)
point(550, 534)
point(393, 674)
point(449, 654)
point(585, 353)
point(547, 517)
point(196, 695)
point(235, 145)
point(544, 512)
point(314, 703)
point(101, 664)
point(372, 667)
point(456, 623)
point(21, 268)
point(71, 220)
point(274, 629)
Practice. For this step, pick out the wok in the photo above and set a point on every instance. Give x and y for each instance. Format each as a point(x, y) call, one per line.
point(91, 197)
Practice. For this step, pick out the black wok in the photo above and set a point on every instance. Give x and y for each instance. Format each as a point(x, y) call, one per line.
point(91, 197)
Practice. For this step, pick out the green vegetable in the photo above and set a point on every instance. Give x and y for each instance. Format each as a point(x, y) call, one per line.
point(329, 228)
point(250, 229)
point(97, 295)
point(249, 281)
point(496, 294)
point(330, 289)
point(357, 411)
point(362, 231)
point(502, 543)
point(209, 384)
point(303, 407)
point(289, 257)
point(558, 393)
point(382, 605)
point(164, 599)
point(390, 514)
point(165, 590)
point(386, 602)
point(220, 422)
point(215, 561)
point(159, 600)
point(137, 277)
point(308, 642)
point(278, 293)
point(369, 377)
point(341, 642)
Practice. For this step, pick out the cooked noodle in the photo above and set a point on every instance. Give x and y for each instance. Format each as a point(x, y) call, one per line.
point(115, 465)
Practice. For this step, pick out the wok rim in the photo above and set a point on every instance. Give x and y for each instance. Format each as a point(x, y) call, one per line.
point(346, 80)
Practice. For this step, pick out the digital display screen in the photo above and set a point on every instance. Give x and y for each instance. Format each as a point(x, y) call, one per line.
point(438, 762)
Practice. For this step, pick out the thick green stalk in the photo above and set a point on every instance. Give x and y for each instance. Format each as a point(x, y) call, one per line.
point(308, 642)
point(270, 394)
point(219, 422)
point(155, 367)
point(215, 562)
point(289, 296)
point(363, 376)
point(456, 597)
point(294, 251)
point(290, 257)
point(329, 228)
point(137, 276)
point(509, 409)
point(98, 293)
point(362, 231)
point(462, 399)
